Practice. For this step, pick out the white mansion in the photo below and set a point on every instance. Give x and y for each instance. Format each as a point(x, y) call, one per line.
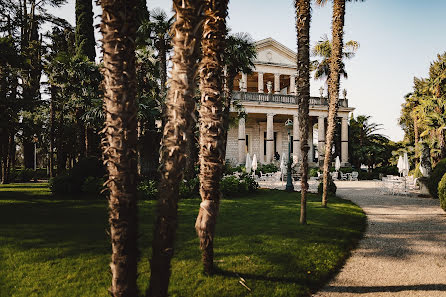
point(268, 98)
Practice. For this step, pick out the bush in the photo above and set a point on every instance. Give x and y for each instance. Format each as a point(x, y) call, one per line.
point(364, 175)
point(25, 175)
point(331, 187)
point(189, 188)
point(442, 192)
point(251, 183)
point(313, 172)
point(346, 169)
point(229, 186)
point(147, 190)
point(267, 168)
point(60, 185)
point(93, 186)
point(86, 167)
point(435, 177)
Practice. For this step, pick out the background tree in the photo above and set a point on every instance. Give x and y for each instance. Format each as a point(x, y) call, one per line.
point(118, 27)
point(303, 19)
point(85, 41)
point(179, 122)
point(322, 50)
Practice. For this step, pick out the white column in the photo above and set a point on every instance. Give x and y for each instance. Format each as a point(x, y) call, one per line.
point(260, 82)
point(293, 84)
point(241, 141)
point(321, 139)
point(344, 140)
point(296, 137)
point(269, 137)
point(276, 83)
point(245, 82)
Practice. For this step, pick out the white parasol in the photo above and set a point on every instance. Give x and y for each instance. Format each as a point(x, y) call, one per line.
point(248, 163)
point(337, 163)
point(254, 163)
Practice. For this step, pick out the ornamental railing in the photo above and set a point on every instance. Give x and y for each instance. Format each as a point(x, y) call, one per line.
point(281, 98)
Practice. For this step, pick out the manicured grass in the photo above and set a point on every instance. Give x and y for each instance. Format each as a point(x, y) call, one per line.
point(53, 247)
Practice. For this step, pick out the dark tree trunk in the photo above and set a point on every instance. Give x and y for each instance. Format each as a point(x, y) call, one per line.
point(118, 27)
point(303, 19)
point(52, 124)
point(333, 86)
point(180, 106)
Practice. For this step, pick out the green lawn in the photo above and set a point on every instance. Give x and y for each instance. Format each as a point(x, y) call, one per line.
point(52, 247)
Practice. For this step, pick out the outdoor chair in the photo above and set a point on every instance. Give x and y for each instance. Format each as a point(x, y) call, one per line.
point(334, 175)
point(355, 175)
point(344, 176)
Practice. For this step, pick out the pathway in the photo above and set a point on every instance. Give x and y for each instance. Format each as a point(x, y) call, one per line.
point(403, 252)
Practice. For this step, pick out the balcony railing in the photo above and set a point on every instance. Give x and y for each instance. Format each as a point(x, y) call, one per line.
point(281, 98)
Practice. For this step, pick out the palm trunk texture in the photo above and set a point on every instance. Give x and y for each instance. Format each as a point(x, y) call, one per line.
point(118, 28)
point(333, 86)
point(180, 107)
point(211, 126)
point(303, 19)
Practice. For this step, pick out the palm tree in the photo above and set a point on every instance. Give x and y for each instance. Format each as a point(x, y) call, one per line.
point(211, 125)
point(333, 84)
point(179, 121)
point(156, 31)
point(323, 49)
point(239, 56)
point(303, 19)
point(118, 27)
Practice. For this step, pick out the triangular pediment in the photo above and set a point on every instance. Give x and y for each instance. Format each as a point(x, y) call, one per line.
point(269, 51)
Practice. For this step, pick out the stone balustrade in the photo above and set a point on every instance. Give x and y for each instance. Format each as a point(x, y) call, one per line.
point(281, 98)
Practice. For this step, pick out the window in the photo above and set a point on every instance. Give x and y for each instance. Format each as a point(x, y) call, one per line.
point(246, 143)
point(264, 143)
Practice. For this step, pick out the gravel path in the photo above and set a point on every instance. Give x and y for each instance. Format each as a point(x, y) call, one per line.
point(403, 252)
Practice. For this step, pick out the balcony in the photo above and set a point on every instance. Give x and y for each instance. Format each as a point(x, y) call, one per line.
point(281, 98)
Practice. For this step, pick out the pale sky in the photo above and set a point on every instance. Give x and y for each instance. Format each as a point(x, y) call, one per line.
point(398, 38)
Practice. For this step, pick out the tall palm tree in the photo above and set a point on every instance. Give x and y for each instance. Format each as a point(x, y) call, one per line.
point(333, 84)
point(211, 125)
point(303, 19)
point(118, 28)
point(322, 49)
point(239, 56)
point(179, 121)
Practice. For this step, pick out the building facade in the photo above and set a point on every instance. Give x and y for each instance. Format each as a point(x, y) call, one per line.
point(267, 97)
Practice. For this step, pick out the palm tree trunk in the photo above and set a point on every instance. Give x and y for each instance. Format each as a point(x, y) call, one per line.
point(179, 121)
point(211, 126)
point(52, 119)
point(333, 86)
point(118, 28)
point(303, 19)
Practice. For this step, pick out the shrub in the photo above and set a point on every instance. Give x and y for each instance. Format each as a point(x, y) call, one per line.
point(229, 186)
point(25, 175)
point(313, 172)
point(267, 168)
point(93, 186)
point(442, 192)
point(346, 169)
point(364, 175)
point(147, 190)
point(251, 183)
point(331, 187)
point(60, 185)
point(86, 167)
point(189, 188)
point(435, 177)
